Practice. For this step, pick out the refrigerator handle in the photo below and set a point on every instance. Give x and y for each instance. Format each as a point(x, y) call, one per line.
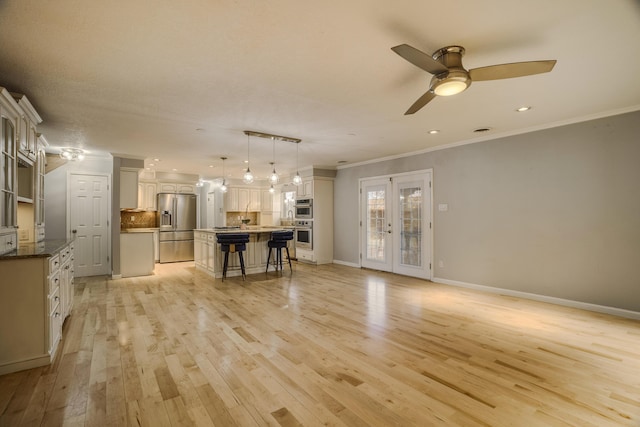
point(175, 211)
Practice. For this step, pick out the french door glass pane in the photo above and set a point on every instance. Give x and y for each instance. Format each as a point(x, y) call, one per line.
point(376, 218)
point(411, 226)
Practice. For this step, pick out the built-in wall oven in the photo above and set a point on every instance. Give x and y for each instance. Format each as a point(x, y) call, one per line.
point(304, 208)
point(304, 234)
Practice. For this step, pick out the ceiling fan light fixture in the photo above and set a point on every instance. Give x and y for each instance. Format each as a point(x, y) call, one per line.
point(450, 84)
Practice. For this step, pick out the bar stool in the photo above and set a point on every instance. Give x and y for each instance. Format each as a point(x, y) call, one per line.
point(233, 242)
point(279, 241)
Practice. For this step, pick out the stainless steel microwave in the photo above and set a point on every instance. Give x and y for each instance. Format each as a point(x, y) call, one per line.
point(304, 209)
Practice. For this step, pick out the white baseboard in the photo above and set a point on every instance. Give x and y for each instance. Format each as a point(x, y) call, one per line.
point(116, 276)
point(536, 297)
point(348, 264)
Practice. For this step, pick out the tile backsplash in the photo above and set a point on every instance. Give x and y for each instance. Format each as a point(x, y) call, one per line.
point(234, 218)
point(131, 219)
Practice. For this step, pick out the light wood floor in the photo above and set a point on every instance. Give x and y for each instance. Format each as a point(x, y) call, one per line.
point(328, 345)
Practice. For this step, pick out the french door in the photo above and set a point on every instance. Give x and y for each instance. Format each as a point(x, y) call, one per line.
point(396, 224)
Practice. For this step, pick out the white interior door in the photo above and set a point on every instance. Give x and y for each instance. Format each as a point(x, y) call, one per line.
point(89, 209)
point(396, 224)
point(377, 222)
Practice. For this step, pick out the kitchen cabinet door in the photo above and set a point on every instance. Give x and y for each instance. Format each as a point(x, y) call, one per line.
point(267, 201)
point(128, 189)
point(255, 200)
point(147, 196)
point(231, 200)
point(244, 199)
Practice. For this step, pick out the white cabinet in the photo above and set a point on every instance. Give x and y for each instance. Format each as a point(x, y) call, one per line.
point(27, 132)
point(176, 187)
point(305, 189)
point(156, 245)
point(241, 199)
point(128, 188)
point(267, 201)
point(9, 114)
point(255, 200)
point(38, 193)
point(45, 297)
point(147, 196)
point(231, 200)
point(204, 251)
point(66, 280)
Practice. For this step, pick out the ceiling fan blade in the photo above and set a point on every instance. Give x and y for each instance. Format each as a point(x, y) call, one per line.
point(507, 71)
point(421, 102)
point(419, 59)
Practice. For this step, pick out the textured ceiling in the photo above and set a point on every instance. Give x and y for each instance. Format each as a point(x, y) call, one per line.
point(181, 81)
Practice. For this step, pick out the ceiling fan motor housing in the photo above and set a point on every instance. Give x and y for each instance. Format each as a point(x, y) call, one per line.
point(454, 81)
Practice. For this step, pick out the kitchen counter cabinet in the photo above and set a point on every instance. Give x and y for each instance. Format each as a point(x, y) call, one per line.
point(137, 253)
point(36, 295)
point(209, 258)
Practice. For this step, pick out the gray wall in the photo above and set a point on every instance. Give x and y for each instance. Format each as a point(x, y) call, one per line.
point(553, 212)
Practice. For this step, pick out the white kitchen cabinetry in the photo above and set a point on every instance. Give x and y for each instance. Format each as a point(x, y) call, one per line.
point(128, 188)
point(176, 187)
point(9, 113)
point(156, 245)
point(136, 254)
point(147, 196)
point(204, 251)
point(267, 201)
point(27, 132)
point(36, 294)
point(231, 200)
point(238, 199)
point(322, 251)
point(38, 193)
point(305, 189)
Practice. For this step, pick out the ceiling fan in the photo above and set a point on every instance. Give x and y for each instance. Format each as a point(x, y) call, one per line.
point(450, 77)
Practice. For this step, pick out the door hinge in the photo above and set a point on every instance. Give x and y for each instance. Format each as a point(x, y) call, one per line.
point(361, 191)
point(361, 255)
point(360, 223)
point(429, 266)
point(390, 179)
point(429, 184)
point(429, 226)
point(107, 258)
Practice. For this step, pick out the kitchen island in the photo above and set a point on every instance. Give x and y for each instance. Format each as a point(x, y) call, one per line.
point(209, 258)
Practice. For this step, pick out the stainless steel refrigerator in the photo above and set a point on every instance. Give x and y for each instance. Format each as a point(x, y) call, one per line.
point(177, 219)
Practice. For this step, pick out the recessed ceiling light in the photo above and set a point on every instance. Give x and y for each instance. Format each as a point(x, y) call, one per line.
point(523, 109)
point(174, 169)
point(340, 162)
point(199, 129)
point(156, 160)
point(480, 130)
point(433, 131)
point(210, 166)
point(151, 164)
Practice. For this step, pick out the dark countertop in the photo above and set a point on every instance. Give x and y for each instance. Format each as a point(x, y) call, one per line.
point(43, 249)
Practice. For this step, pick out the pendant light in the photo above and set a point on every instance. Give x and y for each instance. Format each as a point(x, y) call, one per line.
point(273, 178)
point(271, 189)
point(223, 187)
point(297, 179)
point(247, 178)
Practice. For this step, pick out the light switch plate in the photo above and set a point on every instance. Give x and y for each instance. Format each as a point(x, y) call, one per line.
point(443, 207)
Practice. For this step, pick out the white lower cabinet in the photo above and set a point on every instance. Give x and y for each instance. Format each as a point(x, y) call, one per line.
point(36, 295)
